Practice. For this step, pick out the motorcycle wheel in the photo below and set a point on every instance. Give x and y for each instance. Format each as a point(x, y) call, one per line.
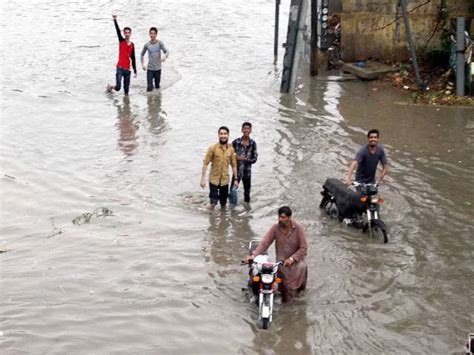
point(330, 207)
point(265, 322)
point(379, 231)
point(333, 211)
point(324, 201)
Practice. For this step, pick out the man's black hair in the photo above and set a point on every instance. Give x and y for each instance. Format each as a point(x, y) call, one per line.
point(284, 210)
point(153, 29)
point(246, 124)
point(372, 131)
point(127, 28)
point(224, 128)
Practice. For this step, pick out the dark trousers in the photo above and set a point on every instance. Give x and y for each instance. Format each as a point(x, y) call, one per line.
point(125, 74)
point(150, 76)
point(218, 193)
point(247, 182)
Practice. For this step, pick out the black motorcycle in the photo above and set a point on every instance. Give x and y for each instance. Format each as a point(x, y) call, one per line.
point(359, 208)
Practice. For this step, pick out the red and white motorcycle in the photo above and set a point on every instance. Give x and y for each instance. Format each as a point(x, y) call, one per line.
point(263, 281)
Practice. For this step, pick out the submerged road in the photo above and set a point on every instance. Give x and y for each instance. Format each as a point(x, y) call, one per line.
point(161, 275)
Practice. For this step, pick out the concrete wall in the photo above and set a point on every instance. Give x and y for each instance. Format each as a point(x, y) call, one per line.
point(369, 29)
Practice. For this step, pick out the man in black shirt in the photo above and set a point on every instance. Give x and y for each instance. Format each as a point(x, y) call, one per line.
point(367, 159)
point(246, 152)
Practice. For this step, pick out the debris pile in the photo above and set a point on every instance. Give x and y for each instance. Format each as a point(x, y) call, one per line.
point(87, 216)
point(440, 88)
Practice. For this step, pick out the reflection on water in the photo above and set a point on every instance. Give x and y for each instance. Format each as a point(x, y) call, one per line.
point(155, 116)
point(127, 126)
point(229, 234)
point(282, 339)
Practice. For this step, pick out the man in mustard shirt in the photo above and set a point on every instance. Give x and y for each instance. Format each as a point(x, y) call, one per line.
point(220, 155)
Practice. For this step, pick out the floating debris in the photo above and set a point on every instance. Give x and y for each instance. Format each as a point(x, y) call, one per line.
point(55, 231)
point(87, 216)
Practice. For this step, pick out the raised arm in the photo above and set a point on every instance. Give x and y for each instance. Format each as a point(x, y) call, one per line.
point(117, 28)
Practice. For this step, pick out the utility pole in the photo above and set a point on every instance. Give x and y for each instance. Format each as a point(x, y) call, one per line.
point(460, 60)
point(314, 38)
point(290, 60)
point(411, 44)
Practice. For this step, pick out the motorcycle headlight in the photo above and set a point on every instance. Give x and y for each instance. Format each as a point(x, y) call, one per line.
point(374, 199)
point(267, 278)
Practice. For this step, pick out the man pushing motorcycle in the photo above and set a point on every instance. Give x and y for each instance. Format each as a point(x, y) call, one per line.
point(367, 159)
point(291, 248)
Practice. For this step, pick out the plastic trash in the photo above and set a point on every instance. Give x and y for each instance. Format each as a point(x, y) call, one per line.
point(233, 199)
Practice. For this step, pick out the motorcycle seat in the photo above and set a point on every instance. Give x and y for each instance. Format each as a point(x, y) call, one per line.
point(347, 200)
point(338, 188)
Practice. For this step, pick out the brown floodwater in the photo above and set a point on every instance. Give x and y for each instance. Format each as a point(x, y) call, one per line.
point(161, 275)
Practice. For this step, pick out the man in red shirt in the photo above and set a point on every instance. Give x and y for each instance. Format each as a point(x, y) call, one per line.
point(126, 52)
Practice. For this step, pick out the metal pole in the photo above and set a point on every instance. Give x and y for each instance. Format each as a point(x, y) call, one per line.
point(314, 38)
point(299, 43)
point(403, 4)
point(277, 21)
point(290, 46)
point(460, 60)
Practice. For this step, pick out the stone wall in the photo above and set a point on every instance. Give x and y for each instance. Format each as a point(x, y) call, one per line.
point(370, 29)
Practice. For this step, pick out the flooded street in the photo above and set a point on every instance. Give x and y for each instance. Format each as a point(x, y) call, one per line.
point(161, 275)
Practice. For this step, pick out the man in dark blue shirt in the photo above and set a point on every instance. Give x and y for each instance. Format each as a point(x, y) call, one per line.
point(367, 159)
point(246, 152)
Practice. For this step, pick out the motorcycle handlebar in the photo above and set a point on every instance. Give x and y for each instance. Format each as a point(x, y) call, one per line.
point(242, 262)
point(355, 183)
